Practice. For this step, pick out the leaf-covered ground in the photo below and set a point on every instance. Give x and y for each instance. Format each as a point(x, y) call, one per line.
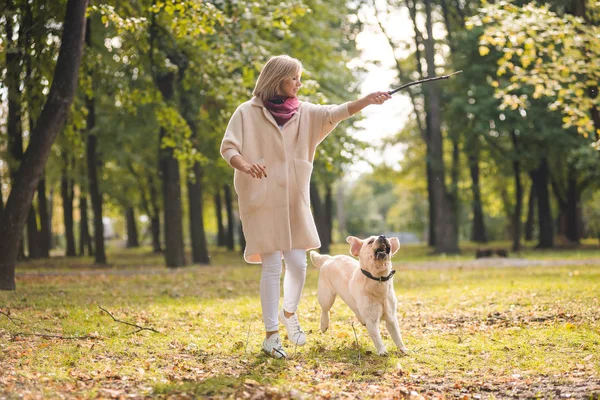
point(475, 331)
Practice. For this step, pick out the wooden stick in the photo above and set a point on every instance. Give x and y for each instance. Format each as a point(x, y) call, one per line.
point(51, 336)
point(247, 338)
point(139, 328)
point(437, 78)
point(357, 345)
point(9, 317)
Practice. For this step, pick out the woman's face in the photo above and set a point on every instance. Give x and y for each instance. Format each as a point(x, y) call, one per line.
point(289, 87)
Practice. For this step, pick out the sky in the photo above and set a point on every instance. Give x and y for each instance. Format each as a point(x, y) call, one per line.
point(384, 120)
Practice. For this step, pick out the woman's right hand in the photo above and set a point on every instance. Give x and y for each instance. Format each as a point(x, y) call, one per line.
point(255, 170)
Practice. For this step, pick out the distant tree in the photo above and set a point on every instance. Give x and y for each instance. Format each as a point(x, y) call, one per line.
point(552, 54)
point(51, 120)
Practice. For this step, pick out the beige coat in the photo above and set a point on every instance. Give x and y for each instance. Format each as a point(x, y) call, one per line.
point(275, 211)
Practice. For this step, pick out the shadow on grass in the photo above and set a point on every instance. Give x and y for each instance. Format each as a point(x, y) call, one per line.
point(253, 380)
point(267, 377)
point(219, 385)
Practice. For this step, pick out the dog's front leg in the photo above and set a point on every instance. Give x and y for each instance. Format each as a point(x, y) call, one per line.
point(373, 328)
point(372, 316)
point(394, 331)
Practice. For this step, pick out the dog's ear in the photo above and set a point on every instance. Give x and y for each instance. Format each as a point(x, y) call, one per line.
point(355, 245)
point(395, 243)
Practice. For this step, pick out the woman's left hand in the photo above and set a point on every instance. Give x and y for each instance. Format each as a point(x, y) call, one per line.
point(373, 98)
point(378, 97)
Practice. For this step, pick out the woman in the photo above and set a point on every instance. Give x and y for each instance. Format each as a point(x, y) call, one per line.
point(271, 141)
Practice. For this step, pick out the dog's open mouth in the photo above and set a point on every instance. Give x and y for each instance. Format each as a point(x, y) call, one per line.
point(382, 251)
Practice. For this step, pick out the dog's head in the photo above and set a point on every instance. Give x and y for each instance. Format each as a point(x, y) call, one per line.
point(377, 249)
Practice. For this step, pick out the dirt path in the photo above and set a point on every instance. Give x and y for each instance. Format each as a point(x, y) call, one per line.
point(438, 264)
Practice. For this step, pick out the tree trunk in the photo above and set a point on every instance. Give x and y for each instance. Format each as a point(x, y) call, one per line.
point(230, 223)
point(13, 122)
point(171, 187)
point(573, 230)
point(320, 217)
point(329, 213)
point(1, 197)
point(340, 210)
point(93, 165)
point(51, 239)
point(529, 225)
point(445, 232)
point(33, 234)
point(221, 236)
point(196, 210)
point(561, 220)
point(85, 239)
point(431, 196)
point(132, 233)
point(425, 131)
point(242, 237)
point(478, 233)
point(154, 213)
point(155, 226)
point(45, 227)
point(13, 82)
point(66, 191)
point(169, 169)
point(454, 201)
point(173, 215)
point(539, 176)
point(518, 195)
point(195, 201)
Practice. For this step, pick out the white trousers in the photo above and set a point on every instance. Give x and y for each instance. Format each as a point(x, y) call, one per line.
point(293, 282)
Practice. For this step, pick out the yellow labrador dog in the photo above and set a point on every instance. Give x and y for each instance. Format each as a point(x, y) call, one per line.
point(365, 285)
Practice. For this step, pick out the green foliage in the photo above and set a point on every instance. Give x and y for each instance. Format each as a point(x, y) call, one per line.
point(591, 216)
point(108, 15)
point(557, 56)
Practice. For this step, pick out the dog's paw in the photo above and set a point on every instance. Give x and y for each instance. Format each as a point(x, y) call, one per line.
point(404, 350)
point(382, 352)
point(324, 329)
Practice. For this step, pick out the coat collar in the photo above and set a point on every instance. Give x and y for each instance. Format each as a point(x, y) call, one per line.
point(257, 102)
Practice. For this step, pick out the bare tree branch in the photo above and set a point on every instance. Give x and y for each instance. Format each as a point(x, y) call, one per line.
point(401, 73)
point(357, 345)
point(437, 78)
point(7, 314)
point(139, 328)
point(52, 336)
point(44, 335)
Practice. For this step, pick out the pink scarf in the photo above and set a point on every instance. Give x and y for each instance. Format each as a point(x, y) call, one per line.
point(282, 108)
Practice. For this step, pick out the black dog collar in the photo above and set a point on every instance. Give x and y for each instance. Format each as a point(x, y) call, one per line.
point(379, 279)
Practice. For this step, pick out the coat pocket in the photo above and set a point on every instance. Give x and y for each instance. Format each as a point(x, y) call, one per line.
point(303, 172)
point(251, 192)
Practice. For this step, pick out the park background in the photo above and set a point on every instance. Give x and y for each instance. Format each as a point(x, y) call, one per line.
point(111, 182)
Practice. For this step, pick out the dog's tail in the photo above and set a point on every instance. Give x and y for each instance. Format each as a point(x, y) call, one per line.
point(318, 259)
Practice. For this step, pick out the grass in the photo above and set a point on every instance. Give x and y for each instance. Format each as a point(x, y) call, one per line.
point(474, 332)
point(141, 258)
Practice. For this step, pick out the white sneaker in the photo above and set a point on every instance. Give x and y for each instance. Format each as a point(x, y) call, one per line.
point(272, 346)
point(292, 326)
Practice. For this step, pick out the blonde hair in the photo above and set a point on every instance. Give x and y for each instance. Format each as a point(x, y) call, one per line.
point(273, 74)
